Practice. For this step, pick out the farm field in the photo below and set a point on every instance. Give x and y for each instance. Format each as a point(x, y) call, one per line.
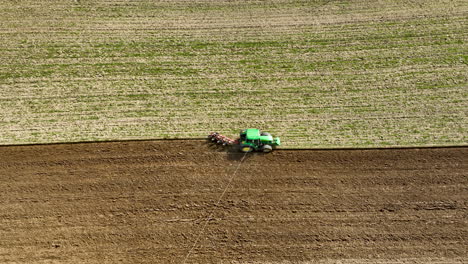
point(150, 201)
point(316, 73)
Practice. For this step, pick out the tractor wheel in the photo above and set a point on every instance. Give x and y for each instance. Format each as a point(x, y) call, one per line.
point(267, 149)
point(246, 149)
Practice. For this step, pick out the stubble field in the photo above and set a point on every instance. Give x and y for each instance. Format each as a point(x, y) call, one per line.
point(316, 73)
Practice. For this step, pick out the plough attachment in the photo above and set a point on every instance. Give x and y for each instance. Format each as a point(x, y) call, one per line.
point(217, 138)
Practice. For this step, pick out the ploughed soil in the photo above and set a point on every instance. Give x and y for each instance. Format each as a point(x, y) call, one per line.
point(188, 201)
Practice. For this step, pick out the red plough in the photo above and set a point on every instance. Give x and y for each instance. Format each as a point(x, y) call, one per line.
point(220, 139)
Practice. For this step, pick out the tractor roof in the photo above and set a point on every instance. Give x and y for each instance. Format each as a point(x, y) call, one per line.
point(252, 133)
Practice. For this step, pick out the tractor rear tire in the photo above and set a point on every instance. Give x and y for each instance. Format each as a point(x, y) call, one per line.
point(246, 149)
point(267, 149)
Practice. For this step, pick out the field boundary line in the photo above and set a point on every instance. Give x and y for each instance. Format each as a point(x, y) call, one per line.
point(101, 141)
point(375, 148)
point(202, 139)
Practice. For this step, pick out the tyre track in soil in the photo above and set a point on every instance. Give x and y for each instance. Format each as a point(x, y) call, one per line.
point(146, 202)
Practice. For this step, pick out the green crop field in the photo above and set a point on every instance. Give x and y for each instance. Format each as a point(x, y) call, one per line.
point(316, 73)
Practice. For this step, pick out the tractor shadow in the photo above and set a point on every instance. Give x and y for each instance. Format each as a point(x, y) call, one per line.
point(233, 152)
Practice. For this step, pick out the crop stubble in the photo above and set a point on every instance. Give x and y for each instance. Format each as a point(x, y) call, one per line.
point(317, 73)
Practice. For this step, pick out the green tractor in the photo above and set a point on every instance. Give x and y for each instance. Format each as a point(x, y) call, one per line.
point(253, 139)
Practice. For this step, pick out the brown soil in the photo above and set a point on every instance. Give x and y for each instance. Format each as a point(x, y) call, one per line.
point(149, 202)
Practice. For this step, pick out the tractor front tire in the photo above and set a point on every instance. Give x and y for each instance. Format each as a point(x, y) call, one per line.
point(246, 149)
point(267, 149)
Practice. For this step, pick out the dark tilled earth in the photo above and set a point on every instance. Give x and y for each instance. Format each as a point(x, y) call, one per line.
point(150, 201)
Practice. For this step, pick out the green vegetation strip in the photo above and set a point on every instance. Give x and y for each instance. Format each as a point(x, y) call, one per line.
point(315, 73)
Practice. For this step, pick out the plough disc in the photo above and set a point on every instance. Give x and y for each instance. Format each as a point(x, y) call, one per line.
point(217, 138)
